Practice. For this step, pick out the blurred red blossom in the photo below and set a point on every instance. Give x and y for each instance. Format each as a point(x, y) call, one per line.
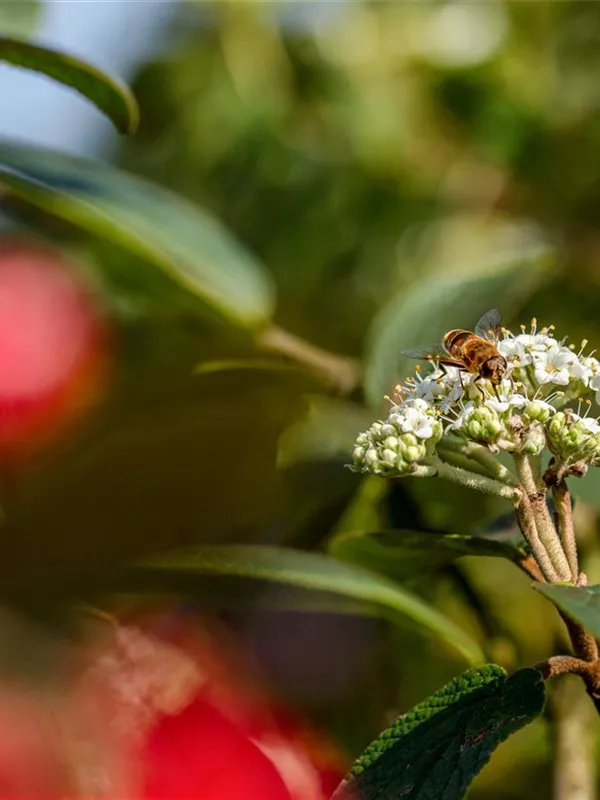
point(53, 345)
point(144, 717)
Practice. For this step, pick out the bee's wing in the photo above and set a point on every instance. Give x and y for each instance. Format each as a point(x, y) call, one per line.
point(434, 351)
point(488, 326)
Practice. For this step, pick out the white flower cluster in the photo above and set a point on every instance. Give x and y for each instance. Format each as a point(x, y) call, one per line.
point(406, 439)
point(519, 415)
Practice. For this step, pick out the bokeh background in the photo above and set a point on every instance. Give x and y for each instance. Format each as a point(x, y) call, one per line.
point(374, 157)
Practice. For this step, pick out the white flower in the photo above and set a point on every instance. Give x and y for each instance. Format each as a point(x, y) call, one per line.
point(595, 385)
point(505, 404)
point(590, 424)
point(414, 420)
point(522, 348)
point(463, 416)
point(554, 366)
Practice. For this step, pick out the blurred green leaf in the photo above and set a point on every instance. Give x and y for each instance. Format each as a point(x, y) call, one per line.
point(437, 749)
point(587, 488)
point(580, 603)
point(401, 555)
point(327, 432)
point(185, 241)
point(19, 19)
point(110, 95)
point(165, 464)
point(420, 316)
point(316, 572)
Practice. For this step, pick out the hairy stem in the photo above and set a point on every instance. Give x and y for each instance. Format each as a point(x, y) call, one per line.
point(458, 458)
point(562, 501)
point(527, 524)
point(482, 456)
point(473, 480)
point(543, 521)
point(584, 644)
point(340, 372)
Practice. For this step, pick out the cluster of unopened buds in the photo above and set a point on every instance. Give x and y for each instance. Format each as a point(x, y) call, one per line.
point(453, 423)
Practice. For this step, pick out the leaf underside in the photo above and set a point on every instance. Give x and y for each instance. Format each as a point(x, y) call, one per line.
point(580, 603)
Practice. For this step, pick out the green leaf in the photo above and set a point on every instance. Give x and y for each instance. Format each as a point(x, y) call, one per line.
point(438, 748)
point(422, 315)
point(401, 555)
point(327, 432)
point(19, 19)
point(165, 230)
point(580, 603)
point(109, 94)
point(315, 571)
point(167, 463)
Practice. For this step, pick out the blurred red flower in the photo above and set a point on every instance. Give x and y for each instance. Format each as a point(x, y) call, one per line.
point(52, 345)
point(183, 728)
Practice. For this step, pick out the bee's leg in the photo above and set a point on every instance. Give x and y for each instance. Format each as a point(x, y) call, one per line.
point(495, 388)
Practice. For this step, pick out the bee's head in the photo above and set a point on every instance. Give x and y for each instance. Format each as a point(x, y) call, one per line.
point(494, 369)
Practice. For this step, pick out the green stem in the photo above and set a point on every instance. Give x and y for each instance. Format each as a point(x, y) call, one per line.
point(459, 459)
point(497, 470)
point(543, 521)
point(481, 456)
point(340, 372)
point(473, 480)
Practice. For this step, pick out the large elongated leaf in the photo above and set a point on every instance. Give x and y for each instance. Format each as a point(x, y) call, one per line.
point(316, 572)
point(437, 749)
point(401, 555)
point(580, 603)
point(186, 242)
point(423, 314)
point(109, 94)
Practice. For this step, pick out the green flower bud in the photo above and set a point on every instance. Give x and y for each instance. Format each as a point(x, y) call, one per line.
point(371, 457)
point(572, 438)
point(534, 442)
point(388, 457)
point(537, 411)
point(409, 440)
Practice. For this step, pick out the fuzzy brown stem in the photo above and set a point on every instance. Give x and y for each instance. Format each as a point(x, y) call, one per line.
point(528, 527)
point(584, 644)
point(544, 526)
point(563, 665)
point(562, 501)
point(530, 567)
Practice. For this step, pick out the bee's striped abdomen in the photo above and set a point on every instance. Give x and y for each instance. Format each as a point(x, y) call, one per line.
point(454, 341)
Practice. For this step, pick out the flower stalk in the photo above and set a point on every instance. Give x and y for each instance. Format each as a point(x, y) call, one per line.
point(564, 510)
point(473, 480)
point(546, 532)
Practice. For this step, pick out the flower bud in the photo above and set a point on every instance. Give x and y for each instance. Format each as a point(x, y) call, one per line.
point(538, 411)
point(404, 440)
point(573, 438)
point(534, 442)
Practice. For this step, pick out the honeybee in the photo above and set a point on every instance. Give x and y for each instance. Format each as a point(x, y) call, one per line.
point(468, 351)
